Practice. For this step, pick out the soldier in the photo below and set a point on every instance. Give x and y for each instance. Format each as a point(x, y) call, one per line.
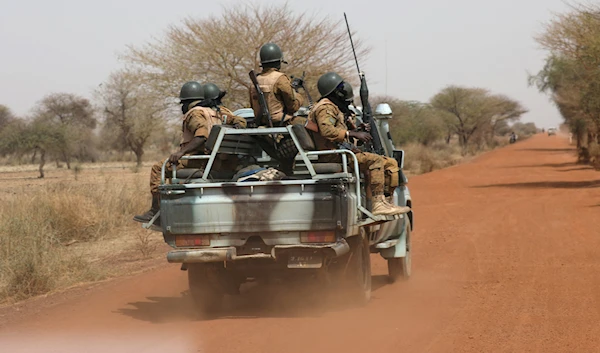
point(390, 165)
point(283, 101)
point(280, 92)
point(328, 114)
point(201, 111)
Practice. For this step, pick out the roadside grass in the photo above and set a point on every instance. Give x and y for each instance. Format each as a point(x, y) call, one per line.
point(420, 159)
point(46, 231)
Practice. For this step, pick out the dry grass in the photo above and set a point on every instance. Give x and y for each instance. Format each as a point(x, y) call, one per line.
point(52, 231)
point(421, 159)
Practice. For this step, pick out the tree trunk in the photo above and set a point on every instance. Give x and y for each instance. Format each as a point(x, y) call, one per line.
point(139, 153)
point(66, 158)
point(34, 155)
point(42, 162)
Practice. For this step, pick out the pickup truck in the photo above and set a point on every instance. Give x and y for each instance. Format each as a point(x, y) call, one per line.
point(314, 224)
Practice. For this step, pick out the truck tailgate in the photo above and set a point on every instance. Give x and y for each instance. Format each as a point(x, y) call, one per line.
point(244, 207)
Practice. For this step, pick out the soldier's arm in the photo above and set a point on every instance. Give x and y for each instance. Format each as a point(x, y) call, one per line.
point(326, 119)
point(196, 123)
point(291, 100)
point(232, 119)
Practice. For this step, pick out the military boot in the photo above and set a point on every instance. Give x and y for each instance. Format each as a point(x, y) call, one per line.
point(382, 207)
point(147, 217)
point(390, 199)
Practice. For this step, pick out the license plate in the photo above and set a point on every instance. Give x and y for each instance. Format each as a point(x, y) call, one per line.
point(305, 261)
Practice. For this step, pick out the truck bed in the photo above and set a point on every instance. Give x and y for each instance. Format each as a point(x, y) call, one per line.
point(255, 207)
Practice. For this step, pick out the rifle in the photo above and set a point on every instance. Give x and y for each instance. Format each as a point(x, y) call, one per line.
point(262, 102)
point(367, 114)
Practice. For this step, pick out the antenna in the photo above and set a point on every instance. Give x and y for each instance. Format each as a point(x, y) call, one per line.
point(352, 44)
point(386, 65)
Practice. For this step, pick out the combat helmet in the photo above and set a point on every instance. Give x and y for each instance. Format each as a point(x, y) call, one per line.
point(328, 83)
point(191, 90)
point(271, 53)
point(348, 93)
point(211, 91)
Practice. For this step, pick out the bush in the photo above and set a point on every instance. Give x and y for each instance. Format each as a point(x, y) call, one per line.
point(38, 224)
point(421, 159)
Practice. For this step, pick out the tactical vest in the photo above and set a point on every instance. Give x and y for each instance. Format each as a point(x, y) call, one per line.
point(266, 82)
point(321, 142)
point(212, 119)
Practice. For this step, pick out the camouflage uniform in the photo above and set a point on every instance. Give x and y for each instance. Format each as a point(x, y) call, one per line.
point(197, 122)
point(333, 130)
point(390, 165)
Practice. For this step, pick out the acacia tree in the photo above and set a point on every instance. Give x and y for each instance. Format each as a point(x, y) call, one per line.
point(21, 137)
point(130, 112)
point(571, 74)
point(6, 116)
point(471, 110)
point(414, 121)
point(223, 49)
point(74, 116)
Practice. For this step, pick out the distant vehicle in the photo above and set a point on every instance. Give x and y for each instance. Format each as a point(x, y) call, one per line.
point(513, 138)
point(551, 131)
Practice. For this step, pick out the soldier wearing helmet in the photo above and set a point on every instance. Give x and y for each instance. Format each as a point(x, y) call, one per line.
point(328, 115)
point(283, 101)
point(280, 92)
point(201, 108)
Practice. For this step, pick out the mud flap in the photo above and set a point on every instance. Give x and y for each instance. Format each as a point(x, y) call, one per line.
point(398, 250)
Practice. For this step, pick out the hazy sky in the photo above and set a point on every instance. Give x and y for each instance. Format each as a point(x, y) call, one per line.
point(71, 46)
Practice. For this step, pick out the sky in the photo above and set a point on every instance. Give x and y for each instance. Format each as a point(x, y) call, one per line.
point(418, 47)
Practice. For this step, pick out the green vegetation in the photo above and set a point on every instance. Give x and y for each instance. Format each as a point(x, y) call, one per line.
point(571, 75)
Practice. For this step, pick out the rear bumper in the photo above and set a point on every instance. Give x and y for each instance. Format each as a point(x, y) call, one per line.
point(230, 254)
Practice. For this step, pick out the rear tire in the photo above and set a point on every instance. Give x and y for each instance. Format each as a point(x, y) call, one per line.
point(205, 288)
point(358, 272)
point(399, 269)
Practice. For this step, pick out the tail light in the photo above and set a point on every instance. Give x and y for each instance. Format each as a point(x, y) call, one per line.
point(192, 240)
point(318, 237)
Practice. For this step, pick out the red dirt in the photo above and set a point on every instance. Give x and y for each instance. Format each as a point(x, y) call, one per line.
point(505, 259)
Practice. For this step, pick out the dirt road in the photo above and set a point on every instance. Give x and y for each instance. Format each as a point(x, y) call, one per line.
point(506, 259)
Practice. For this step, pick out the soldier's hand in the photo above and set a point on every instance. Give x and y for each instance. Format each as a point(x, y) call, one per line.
point(361, 135)
point(237, 126)
point(297, 83)
point(366, 127)
point(175, 157)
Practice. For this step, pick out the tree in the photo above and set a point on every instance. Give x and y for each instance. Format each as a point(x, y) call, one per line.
point(21, 137)
point(524, 129)
point(471, 110)
point(131, 114)
point(74, 116)
point(224, 49)
point(6, 116)
point(414, 121)
point(571, 74)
